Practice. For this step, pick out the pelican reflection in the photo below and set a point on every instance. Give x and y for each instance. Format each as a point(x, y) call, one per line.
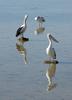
point(39, 30)
point(50, 74)
point(21, 49)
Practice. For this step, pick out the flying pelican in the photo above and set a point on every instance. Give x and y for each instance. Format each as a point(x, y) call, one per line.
point(40, 20)
point(50, 50)
point(22, 28)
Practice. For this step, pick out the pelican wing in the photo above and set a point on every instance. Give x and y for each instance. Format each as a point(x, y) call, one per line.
point(53, 53)
point(19, 31)
point(43, 20)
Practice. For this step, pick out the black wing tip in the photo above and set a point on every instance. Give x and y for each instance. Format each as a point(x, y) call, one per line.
point(17, 35)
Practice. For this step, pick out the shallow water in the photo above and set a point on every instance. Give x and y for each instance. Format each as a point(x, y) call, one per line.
point(20, 81)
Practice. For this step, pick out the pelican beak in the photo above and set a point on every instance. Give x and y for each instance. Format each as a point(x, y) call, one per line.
point(54, 39)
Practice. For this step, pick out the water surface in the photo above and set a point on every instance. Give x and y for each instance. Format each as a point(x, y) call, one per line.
point(20, 81)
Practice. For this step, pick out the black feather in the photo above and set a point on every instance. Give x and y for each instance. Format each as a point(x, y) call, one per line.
point(54, 53)
point(18, 31)
point(43, 19)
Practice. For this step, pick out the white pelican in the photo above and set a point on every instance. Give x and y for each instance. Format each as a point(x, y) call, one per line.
point(40, 20)
point(50, 50)
point(22, 28)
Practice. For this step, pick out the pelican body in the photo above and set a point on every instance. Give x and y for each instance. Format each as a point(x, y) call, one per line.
point(50, 50)
point(40, 20)
point(22, 28)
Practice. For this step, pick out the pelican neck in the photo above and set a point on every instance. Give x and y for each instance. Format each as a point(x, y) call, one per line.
point(50, 42)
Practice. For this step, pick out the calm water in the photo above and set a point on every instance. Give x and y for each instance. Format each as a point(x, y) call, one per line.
point(20, 81)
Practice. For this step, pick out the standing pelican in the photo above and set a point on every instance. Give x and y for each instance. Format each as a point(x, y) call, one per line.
point(50, 50)
point(40, 20)
point(22, 28)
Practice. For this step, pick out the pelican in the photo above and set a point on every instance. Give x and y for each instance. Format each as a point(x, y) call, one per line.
point(50, 50)
point(22, 28)
point(40, 20)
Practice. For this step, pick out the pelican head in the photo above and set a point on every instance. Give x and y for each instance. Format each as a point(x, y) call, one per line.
point(40, 19)
point(26, 16)
point(37, 18)
point(50, 37)
point(25, 19)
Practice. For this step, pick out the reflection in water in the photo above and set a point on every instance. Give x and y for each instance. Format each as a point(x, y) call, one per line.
point(39, 30)
point(50, 73)
point(23, 40)
point(49, 62)
point(21, 49)
point(52, 61)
